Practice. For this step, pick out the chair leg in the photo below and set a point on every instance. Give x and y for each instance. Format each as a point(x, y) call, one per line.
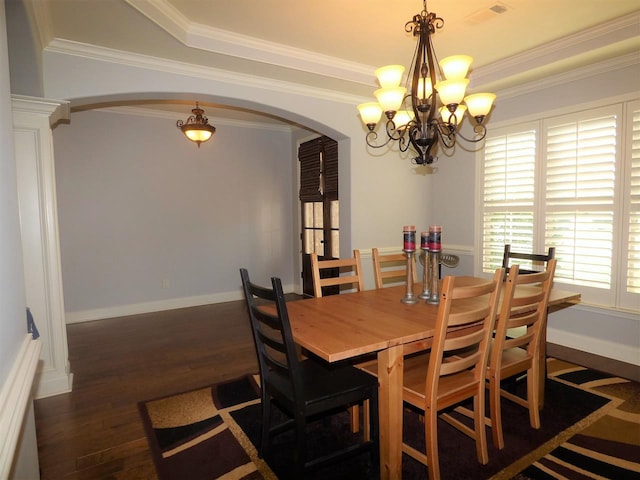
point(533, 395)
point(431, 437)
point(354, 412)
point(266, 421)
point(479, 427)
point(300, 450)
point(372, 416)
point(366, 420)
point(496, 412)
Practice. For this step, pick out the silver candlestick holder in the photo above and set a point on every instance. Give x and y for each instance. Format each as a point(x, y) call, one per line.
point(409, 297)
point(425, 275)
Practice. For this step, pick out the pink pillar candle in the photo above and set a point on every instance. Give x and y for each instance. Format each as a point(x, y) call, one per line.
point(424, 240)
point(409, 235)
point(435, 237)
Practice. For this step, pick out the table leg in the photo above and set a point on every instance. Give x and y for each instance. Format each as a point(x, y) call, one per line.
point(390, 366)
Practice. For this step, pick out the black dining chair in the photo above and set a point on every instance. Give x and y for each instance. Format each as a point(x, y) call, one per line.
point(303, 389)
point(532, 260)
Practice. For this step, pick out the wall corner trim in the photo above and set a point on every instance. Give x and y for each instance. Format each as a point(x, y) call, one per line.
point(14, 398)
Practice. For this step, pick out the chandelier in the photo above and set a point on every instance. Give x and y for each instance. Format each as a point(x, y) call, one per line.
point(433, 109)
point(197, 128)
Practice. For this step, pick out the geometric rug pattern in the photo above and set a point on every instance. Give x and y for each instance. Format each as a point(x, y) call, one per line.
point(608, 447)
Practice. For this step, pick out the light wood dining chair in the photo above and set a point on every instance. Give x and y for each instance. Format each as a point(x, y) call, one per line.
point(391, 267)
point(511, 356)
point(455, 368)
point(351, 265)
point(334, 268)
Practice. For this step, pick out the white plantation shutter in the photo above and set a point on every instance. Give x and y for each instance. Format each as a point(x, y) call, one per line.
point(571, 182)
point(508, 194)
point(630, 297)
point(580, 174)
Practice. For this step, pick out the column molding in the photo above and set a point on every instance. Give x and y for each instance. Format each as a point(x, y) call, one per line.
point(33, 120)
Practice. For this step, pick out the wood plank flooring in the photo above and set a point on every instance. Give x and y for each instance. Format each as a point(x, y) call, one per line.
point(95, 431)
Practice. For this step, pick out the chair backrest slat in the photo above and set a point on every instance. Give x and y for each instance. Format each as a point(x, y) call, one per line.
point(391, 267)
point(353, 265)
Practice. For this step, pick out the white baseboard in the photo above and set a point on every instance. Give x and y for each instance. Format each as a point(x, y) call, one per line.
point(14, 398)
point(52, 383)
point(156, 306)
point(596, 346)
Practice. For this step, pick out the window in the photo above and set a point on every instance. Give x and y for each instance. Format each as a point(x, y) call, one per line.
point(572, 182)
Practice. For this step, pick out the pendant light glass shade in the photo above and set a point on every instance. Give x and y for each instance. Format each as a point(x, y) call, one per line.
point(196, 128)
point(370, 112)
point(389, 75)
point(452, 91)
point(390, 98)
point(455, 67)
point(479, 103)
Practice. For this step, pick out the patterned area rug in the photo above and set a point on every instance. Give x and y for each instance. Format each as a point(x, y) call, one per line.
point(212, 432)
point(192, 435)
point(609, 446)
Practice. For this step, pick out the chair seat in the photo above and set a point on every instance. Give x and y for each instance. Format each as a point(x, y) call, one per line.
point(514, 361)
point(326, 386)
point(414, 381)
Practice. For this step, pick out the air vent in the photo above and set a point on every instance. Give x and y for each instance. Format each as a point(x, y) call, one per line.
point(487, 13)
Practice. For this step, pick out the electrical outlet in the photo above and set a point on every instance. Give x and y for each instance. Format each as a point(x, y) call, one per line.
point(165, 283)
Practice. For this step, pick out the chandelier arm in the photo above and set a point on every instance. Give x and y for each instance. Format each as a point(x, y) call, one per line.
point(446, 132)
point(372, 136)
point(404, 142)
point(481, 132)
point(393, 133)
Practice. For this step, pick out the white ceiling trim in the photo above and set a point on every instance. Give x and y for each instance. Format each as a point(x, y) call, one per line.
point(609, 65)
point(618, 30)
point(68, 47)
point(224, 42)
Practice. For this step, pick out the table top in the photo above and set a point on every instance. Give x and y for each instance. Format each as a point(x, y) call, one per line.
point(338, 327)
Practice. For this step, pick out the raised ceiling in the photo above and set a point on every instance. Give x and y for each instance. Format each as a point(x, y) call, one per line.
point(336, 44)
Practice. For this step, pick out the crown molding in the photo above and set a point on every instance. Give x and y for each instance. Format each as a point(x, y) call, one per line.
point(224, 42)
point(608, 33)
point(576, 74)
point(143, 61)
point(93, 52)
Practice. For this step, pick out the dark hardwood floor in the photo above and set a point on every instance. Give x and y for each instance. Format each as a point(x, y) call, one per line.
point(95, 431)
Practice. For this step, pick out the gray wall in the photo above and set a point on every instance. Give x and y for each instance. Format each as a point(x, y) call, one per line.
point(149, 221)
point(12, 296)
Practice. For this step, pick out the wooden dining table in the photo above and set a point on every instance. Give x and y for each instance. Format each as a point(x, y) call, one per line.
point(350, 326)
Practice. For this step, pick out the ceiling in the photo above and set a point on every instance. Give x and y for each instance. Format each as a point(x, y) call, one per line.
point(336, 44)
